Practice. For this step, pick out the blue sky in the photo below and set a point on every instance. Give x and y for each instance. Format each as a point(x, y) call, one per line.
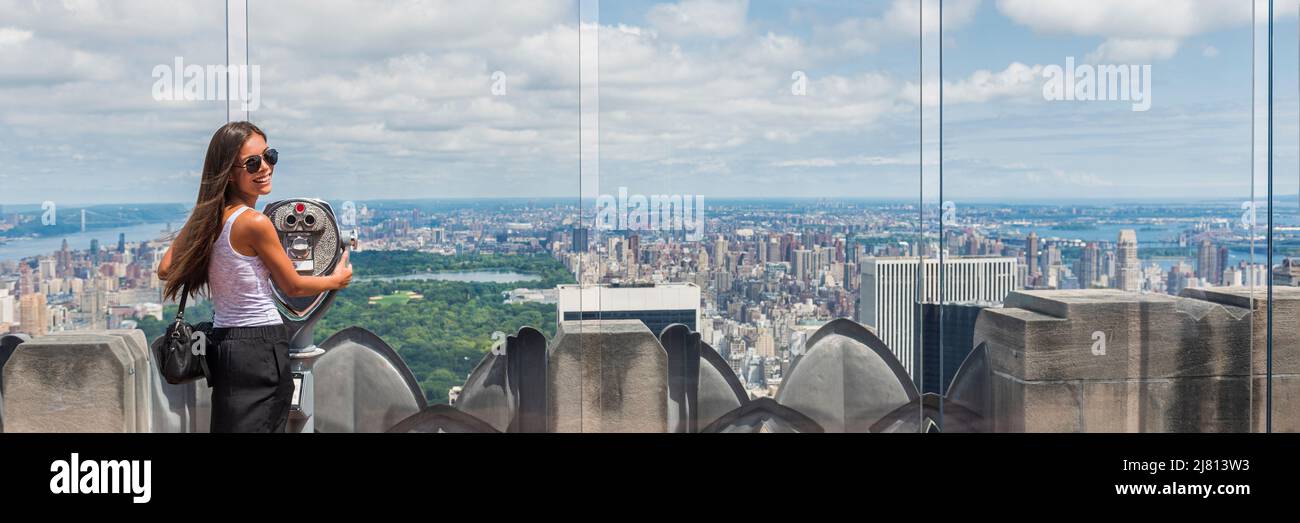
point(373, 100)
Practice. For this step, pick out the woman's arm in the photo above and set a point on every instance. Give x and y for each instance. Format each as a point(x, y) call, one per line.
point(266, 243)
point(166, 263)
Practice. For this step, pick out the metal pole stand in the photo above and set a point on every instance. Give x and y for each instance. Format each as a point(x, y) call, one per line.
point(302, 410)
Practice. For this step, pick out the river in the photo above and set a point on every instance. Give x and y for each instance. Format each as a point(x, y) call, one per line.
point(18, 248)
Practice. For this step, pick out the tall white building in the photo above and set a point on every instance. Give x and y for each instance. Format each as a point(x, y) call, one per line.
point(1126, 262)
point(657, 306)
point(892, 288)
point(6, 307)
point(764, 344)
point(47, 268)
point(802, 263)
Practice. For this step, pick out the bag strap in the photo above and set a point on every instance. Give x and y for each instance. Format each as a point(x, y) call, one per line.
point(180, 314)
point(185, 294)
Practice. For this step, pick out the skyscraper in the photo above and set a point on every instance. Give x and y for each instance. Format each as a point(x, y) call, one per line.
point(1108, 264)
point(764, 344)
point(26, 279)
point(1179, 278)
point(891, 291)
point(949, 330)
point(614, 248)
point(1031, 254)
point(1221, 266)
point(1127, 267)
point(33, 315)
point(1051, 257)
point(634, 249)
point(1089, 265)
point(802, 264)
point(7, 316)
point(579, 239)
point(1207, 261)
point(64, 267)
point(47, 268)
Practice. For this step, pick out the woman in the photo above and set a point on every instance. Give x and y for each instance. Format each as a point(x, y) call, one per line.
point(231, 249)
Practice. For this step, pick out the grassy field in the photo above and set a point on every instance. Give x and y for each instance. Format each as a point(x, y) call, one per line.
point(396, 298)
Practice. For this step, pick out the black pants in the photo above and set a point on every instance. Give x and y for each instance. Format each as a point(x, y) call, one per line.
point(251, 382)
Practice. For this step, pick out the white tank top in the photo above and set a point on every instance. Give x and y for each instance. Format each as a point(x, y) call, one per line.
point(240, 285)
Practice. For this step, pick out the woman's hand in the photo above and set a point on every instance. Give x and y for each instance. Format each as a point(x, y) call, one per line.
point(342, 271)
point(265, 241)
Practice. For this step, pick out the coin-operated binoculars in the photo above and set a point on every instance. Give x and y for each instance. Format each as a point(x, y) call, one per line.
point(310, 235)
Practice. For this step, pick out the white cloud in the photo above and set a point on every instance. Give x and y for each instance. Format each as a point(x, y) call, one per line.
point(700, 18)
point(402, 93)
point(11, 36)
point(398, 26)
point(1210, 51)
point(902, 20)
point(858, 161)
point(906, 15)
point(1127, 18)
point(1135, 29)
point(1055, 176)
point(1017, 80)
point(661, 99)
point(29, 60)
point(1134, 50)
point(399, 103)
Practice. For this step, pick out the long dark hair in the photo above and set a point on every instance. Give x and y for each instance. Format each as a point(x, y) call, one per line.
point(189, 266)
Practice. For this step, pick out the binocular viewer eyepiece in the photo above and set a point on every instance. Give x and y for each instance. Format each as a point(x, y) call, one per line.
point(309, 234)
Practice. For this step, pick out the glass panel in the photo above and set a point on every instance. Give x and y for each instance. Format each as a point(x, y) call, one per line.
point(107, 110)
point(754, 159)
point(1275, 368)
point(1096, 202)
point(445, 134)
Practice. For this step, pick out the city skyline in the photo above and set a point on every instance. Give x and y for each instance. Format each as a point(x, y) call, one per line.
point(766, 276)
point(1069, 249)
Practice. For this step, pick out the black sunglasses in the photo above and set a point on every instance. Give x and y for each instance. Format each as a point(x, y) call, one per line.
point(254, 163)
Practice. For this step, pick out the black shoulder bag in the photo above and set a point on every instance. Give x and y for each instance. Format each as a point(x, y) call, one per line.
point(181, 352)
